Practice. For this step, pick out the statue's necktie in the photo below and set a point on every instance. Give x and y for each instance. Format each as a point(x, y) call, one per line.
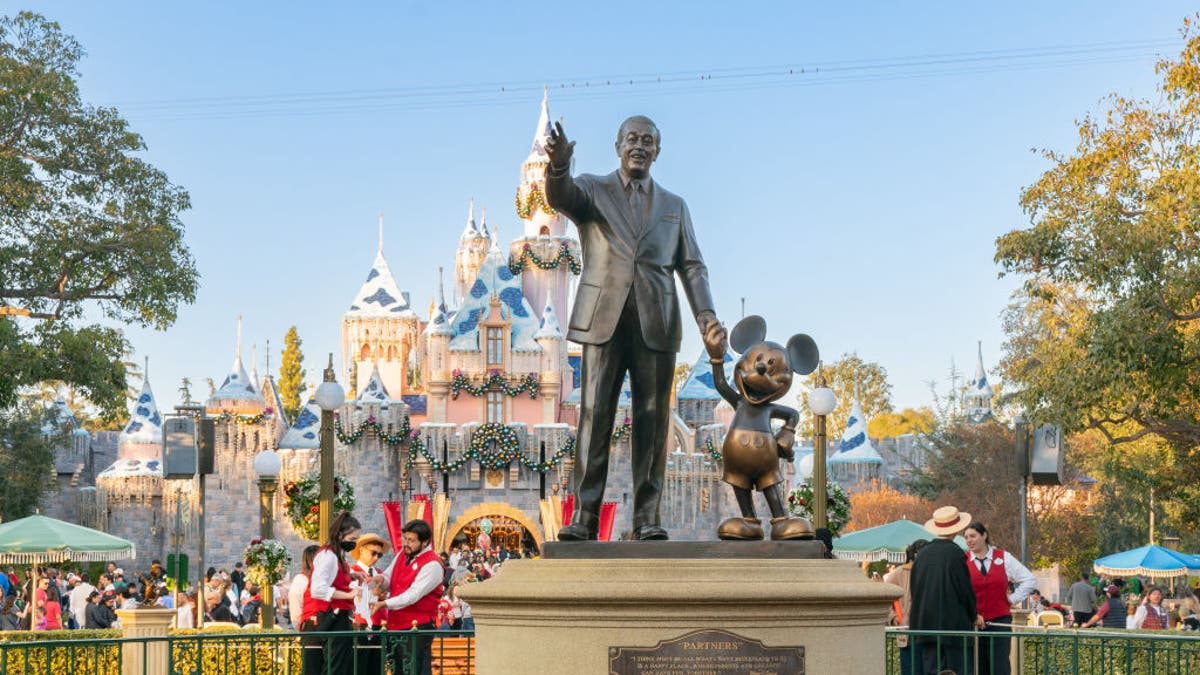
point(637, 202)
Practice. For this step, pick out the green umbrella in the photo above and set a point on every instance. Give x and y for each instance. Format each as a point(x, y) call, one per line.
point(40, 539)
point(883, 542)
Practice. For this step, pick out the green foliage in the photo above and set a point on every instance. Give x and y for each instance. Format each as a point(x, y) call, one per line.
point(25, 458)
point(22, 656)
point(291, 374)
point(85, 223)
point(850, 377)
point(246, 651)
point(1103, 334)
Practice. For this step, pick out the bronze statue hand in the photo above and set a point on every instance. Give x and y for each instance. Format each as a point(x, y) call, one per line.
point(559, 148)
point(715, 337)
point(786, 439)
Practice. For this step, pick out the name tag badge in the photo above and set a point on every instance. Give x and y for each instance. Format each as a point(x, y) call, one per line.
point(414, 566)
point(999, 561)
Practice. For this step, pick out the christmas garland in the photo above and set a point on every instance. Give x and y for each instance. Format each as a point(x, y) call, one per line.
point(837, 504)
point(485, 455)
point(713, 453)
point(495, 379)
point(535, 200)
point(302, 498)
point(623, 431)
point(226, 416)
point(267, 561)
point(564, 254)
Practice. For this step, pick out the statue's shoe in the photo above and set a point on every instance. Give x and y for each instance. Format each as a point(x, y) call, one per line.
point(784, 528)
point(650, 533)
point(740, 529)
point(577, 532)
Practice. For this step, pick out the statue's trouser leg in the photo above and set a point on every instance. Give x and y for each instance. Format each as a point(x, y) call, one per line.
point(602, 374)
point(651, 377)
point(745, 501)
point(774, 495)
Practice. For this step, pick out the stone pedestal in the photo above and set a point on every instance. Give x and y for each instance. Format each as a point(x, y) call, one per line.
point(148, 657)
point(576, 609)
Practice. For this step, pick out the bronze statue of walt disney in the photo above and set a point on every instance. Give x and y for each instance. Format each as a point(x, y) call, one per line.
point(636, 237)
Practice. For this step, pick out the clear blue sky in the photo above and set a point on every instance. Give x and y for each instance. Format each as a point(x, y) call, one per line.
point(859, 203)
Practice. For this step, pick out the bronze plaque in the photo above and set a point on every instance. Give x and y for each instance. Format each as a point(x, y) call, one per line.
point(706, 652)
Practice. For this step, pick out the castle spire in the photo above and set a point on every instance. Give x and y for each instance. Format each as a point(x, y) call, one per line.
point(483, 228)
point(381, 232)
point(239, 337)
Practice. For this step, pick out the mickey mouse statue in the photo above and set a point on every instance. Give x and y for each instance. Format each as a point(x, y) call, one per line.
point(752, 450)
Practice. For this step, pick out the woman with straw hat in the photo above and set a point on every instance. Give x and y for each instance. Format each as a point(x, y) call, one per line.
point(942, 597)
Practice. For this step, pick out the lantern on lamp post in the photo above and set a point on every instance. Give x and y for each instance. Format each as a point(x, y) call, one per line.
point(329, 396)
point(821, 401)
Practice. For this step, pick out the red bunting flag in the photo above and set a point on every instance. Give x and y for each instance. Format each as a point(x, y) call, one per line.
point(608, 516)
point(568, 505)
point(395, 523)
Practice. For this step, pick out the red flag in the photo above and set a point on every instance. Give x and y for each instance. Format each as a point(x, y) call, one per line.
point(395, 521)
point(568, 509)
point(608, 516)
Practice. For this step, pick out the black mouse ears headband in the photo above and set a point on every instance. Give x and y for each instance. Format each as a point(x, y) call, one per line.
point(801, 349)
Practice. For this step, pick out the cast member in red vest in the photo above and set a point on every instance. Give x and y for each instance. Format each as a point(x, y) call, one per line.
point(992, 570)
point(415, 583)
point(329, 602)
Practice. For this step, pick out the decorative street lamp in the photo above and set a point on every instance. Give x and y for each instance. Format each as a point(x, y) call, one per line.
point(330, 396)
point(821, 401)
point(267, 464)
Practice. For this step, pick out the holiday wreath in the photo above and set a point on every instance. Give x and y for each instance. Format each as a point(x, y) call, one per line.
point(837, 504)
point(301, 501)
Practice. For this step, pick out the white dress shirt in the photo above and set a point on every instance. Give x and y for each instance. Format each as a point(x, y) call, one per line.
point(428, 578)
point(1022, 579)
point(325, 568)
point(296, 598)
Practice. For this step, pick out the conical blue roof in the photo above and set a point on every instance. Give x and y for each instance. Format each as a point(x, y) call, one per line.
point(699, 385)
point(494, 278)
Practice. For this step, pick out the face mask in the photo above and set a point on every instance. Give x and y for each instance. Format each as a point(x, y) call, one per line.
point(349, 546)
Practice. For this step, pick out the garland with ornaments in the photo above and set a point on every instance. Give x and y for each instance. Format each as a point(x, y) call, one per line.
point(527, 255)
point(493, 445)
point(302, 498)
point(713, 453)
point(623, 431)
point(227, 416)
point(534, 200)
point(495, 380)
point(837, 504)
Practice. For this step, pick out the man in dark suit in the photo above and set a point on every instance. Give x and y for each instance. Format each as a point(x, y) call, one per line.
point(636, 236)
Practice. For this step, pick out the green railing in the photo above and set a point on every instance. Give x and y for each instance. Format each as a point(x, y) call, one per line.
point(1050, 651)
point(250, 652)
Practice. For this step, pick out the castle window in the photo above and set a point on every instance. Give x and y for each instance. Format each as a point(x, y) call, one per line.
point(495, 347)
point(365, 352)
point(495, 407)
point(544, 232)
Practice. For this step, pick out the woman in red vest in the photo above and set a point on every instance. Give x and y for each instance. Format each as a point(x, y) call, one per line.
point(329, 602)
point(992, 570)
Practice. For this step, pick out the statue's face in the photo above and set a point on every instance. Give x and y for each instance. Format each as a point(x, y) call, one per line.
point(637, 146)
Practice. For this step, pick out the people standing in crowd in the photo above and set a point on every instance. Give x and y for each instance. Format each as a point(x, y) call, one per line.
point(52, 610)
point(216, 608)
point(415, 587)
point(1189, 610)
point(942, 596)
point(1151, 615)
point(902, 577)
point(329, 601)
point(992, 570)
point(185, 615)
point(10, 614)
point(5, 587)
point(1034, 602)
point(238, 578)
point(1081, 596)
point(251, 611)
point(295, 594)
point(232, 598)
point(368, 650)
point(1111, 613)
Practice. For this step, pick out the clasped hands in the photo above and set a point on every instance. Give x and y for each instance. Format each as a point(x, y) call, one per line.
point(716, 339)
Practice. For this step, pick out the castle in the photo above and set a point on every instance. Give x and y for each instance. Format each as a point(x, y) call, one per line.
point(466, 416)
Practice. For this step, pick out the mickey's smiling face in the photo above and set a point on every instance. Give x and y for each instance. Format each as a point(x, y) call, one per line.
point(763, 374)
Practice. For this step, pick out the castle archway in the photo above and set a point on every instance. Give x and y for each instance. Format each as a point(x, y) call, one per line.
point(510, 526)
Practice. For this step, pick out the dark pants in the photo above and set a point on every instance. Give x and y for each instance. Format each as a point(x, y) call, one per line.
point(412, 652)
point(994, 646)
point(651, 374)
point(947, 653)
point(368, 651)
point(338, 652)
point(910, 659)
point(1081, 617)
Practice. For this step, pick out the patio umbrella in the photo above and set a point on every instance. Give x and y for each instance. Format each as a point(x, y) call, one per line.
point(1148, 561)
point(884, 542)
point(41, 539)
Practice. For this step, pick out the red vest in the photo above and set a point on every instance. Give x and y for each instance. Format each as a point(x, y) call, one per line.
point(424, 610)
point(341, 582)
point(376, 617)
point(991, 589)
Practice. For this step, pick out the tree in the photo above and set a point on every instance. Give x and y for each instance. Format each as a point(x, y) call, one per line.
point(877, 503)
point(1105, 332)
point(908, 421)
point(26, 454)
point(291, 374)
point(86, 224)
point(851, 377)
point(682, 372)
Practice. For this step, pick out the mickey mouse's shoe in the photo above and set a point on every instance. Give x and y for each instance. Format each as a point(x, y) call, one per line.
point(740, 528)
point(784, 528)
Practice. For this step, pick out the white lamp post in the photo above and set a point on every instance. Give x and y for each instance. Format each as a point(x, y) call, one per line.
point(821, 401)
point(267, 465)
point(330, 396)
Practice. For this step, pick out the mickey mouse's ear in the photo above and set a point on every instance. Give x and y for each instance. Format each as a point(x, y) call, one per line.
point(802, 354)
point(747, 333)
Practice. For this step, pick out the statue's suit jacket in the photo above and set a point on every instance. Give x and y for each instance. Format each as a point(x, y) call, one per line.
point(620, 256)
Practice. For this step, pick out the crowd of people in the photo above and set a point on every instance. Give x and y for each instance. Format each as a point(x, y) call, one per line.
point(52, 598)
point(945, 590)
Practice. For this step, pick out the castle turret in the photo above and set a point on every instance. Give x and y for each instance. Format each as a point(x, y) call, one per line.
point(548, 257)
point(554, 362)
point(379, 328)
point(238, 394)
point(473, 247)
point(977, 399)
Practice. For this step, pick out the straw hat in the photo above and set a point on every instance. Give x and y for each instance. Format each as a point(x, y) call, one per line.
point(371, 538)
point(947, 521)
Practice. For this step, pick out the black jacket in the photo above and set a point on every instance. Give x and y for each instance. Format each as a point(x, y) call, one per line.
point(96, 616)
point(942, 597)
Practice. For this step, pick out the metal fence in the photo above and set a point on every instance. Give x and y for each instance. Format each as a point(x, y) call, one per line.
point(1045, 651)
point(450, 652)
